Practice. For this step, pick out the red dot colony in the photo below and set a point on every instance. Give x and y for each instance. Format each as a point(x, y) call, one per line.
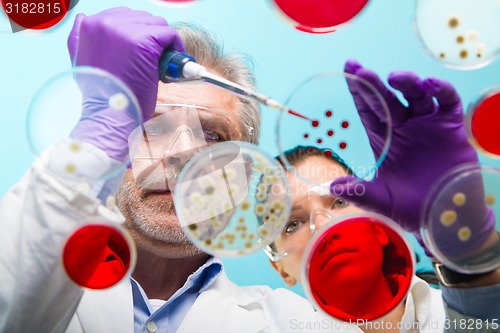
point(329, 132)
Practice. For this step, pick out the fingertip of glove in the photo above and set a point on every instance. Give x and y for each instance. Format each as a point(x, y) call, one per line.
point(432, 85)
point(79, 17)
point(337, 186)
point(351, 66)
point(401, 78)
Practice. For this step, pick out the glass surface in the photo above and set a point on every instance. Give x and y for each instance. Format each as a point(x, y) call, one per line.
point(231, 199)
point(336, 126)
point(318, 16)
point(99, 255)
point(459, 33)
point(358, 267)
point(174, 3)
point(483, 123)
point(460, 221)
point(56, 108)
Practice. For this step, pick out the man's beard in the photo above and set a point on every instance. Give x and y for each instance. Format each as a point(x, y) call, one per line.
point(153, 217)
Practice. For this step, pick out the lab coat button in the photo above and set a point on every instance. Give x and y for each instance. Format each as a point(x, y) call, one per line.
point(151, 326)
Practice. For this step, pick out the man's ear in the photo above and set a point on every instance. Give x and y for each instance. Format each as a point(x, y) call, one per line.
point(381, 235)
point(289, 280)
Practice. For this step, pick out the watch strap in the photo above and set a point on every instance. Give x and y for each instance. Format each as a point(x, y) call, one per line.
point(450, 278)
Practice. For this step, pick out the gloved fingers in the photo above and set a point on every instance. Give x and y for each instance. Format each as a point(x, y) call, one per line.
point(397, 110)
point(370, 196)
point(74, 37)
point(446, 95)
point(351, 66)
point(420, 101)
point(375, 126)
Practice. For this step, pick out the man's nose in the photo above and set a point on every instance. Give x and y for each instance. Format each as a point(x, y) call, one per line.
point(182, 148)
point(180, 159)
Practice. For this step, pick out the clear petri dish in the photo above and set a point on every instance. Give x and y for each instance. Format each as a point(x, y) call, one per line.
point(318, 16)
point(174, 3)
point(55, 110)
point(460, 219)
point(483, 123)
point(336, 125)
point(358, 268)
point(99, 255)
point(231, 199)
point(461, 34)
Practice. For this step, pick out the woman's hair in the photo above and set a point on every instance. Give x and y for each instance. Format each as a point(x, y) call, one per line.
point(299, 154)
point(236, 67)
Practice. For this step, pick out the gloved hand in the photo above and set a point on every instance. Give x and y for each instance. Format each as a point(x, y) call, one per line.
point(428, 140)
point(128, 44)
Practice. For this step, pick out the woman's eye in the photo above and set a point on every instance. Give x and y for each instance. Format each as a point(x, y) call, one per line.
point(339, 203)
point(293, 226)
point(212, 136)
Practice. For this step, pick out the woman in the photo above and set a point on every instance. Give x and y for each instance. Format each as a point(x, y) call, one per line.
point(371, 266)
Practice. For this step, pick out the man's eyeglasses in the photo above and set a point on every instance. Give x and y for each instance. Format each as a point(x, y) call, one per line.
point(174, 135)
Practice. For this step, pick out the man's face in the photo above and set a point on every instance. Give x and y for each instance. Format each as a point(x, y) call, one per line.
point(149, 211)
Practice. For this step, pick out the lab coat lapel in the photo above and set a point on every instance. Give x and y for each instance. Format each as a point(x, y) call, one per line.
point(221, 308)
point(109, 310)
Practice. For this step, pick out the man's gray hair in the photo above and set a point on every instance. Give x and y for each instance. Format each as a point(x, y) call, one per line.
point(208, 50)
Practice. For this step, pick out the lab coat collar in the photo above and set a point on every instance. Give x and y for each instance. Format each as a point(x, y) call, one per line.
point(109, 310)
point(221, 308)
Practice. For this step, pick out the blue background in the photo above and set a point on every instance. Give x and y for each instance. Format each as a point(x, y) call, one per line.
point(382, 37)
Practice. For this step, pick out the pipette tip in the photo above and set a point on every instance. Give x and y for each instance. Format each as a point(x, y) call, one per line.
point(295, 113)
point(274, 104)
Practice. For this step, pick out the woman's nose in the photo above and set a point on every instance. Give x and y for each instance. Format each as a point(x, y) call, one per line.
point(320, 220)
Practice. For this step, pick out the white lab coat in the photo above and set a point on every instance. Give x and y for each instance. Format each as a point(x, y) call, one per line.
point(38, 215)
point(36, 218)
point(223, 307)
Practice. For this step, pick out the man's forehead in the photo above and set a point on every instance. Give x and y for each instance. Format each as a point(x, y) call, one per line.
point(199, 94)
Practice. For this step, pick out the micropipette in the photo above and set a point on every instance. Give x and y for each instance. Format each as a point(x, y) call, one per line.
point(180, 67)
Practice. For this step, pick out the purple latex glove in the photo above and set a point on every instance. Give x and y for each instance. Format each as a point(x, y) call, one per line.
point(128, 44)
point(428, 140)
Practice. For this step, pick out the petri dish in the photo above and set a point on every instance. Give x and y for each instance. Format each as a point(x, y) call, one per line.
point(36, 15)
point(358, 268)
point(56, 108)
point(460, 219)
point(336, 126)
point(461, 34)
point(483, 123)
point(99, 255)
point(174, 3)
point(231, 199)
point(318, 16)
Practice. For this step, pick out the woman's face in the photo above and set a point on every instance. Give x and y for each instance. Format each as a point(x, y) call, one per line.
point(297, 232)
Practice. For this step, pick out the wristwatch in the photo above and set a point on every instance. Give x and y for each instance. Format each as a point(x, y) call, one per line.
point(451, 278)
